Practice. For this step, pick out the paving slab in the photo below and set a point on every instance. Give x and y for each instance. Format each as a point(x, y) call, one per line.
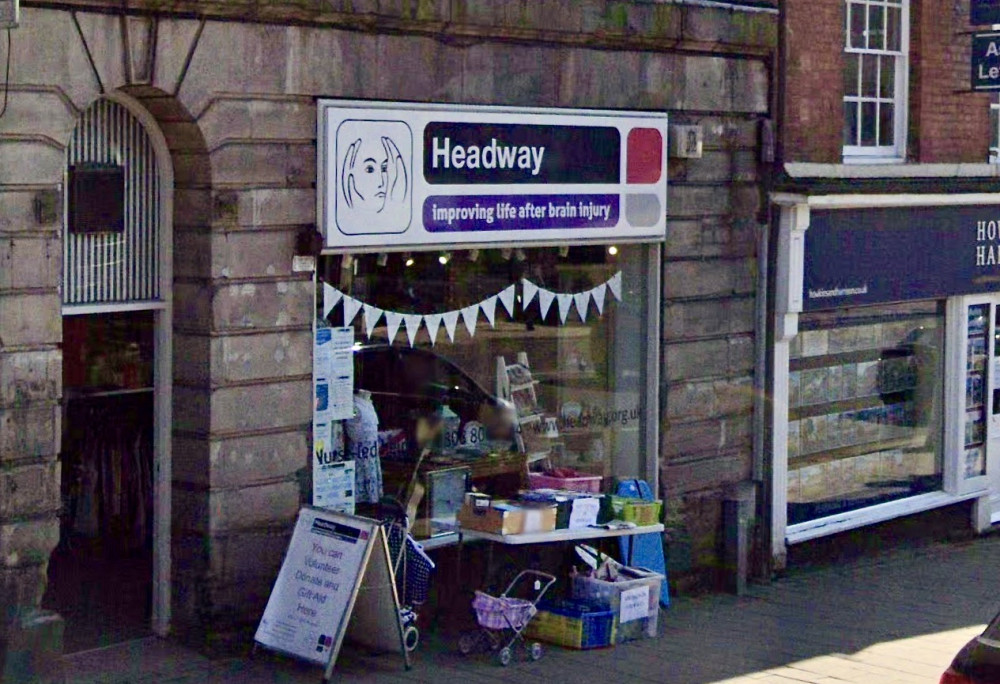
point(897, 617)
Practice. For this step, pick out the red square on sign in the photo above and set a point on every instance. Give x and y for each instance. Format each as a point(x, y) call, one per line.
point(644, 156)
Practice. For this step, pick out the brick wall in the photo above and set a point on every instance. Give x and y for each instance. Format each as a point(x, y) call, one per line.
point(947, 123)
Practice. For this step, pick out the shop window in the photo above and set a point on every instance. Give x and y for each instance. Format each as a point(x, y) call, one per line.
point(875, 77)
point(865, 408)
point(560, 377)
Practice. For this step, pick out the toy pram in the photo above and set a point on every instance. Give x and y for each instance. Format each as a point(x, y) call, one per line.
point(502, 619)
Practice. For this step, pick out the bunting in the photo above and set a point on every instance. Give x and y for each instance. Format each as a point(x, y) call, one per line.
point(470, 314)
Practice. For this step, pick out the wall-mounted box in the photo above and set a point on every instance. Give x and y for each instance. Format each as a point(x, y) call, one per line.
point(686, 142)
point(9, 13)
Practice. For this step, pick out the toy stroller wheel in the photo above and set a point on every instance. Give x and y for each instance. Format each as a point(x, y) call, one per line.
point(467, 642)
point(411, 637)
point(504, 656)
point(535, 651)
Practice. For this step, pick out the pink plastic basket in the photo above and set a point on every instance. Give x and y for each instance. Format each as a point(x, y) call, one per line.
point(491, 611)
point(584, 483)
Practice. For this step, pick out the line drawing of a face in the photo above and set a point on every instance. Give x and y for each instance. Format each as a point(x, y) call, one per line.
point(374, 193)
point(373, 175)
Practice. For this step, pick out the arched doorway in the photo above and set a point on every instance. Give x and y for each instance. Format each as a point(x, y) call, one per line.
point(109, 576)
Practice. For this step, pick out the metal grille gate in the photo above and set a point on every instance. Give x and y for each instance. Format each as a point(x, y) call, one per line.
point(116, 268)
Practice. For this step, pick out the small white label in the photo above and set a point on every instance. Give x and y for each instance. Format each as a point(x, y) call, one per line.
point(303, 264)
point(634, 604)
point(532, 520)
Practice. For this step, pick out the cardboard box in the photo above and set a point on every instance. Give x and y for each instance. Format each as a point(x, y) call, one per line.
point(495, 518)
point(502, 517)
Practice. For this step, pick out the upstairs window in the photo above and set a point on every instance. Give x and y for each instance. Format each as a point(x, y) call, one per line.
point(875, 78)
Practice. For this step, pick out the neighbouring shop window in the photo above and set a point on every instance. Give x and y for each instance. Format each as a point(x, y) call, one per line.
point(875, 77)
point(865, 408)
point(564, 368)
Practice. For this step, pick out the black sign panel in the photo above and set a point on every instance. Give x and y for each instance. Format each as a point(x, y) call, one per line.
point(986, 61)
point(874, 256)
point(984, 11)
point(491, 154)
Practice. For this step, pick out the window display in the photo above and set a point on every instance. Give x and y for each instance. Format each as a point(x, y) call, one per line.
point(865, 411)
point(470, 357)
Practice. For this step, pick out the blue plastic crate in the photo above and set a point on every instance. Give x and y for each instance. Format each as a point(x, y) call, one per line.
point(573, 624)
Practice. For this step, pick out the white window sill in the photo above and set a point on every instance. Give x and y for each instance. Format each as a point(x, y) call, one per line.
point(857, 159)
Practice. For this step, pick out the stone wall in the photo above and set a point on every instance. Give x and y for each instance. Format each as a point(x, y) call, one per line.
point(235, 101)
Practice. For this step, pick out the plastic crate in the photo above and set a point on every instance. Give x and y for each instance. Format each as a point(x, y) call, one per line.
point(608, 596)
point(584, 483)
point(642, 512)
point(573, 624)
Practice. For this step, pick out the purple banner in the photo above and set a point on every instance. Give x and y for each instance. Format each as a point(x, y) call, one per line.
point(470, 213)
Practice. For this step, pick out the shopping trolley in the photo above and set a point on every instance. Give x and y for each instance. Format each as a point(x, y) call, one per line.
point(502, 619)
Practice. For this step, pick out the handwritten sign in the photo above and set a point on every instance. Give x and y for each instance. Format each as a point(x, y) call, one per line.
point(634, 604)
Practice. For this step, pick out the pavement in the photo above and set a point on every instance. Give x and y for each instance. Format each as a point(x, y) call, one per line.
point(897, 617)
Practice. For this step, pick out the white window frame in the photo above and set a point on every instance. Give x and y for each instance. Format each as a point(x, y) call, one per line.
point(994, 157)
point(897, 151)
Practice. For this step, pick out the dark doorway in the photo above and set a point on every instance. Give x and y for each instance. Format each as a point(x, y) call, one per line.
point(100, 576)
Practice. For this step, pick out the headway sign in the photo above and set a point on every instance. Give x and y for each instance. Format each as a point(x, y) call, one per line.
point(984, 11)
point(986, 61)
point(402, 176)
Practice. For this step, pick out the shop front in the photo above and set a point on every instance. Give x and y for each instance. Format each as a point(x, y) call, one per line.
point(489, 287)
point(886, 361)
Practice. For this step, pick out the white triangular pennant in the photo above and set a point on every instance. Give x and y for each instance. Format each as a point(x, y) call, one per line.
point(433, 323)
point(529, 293)
point(351, 308)
point(507, 299)
point(582, 301)
point(372, 316)
point(565, 301)
point(489, 307)
point(598, 294)
point(412, 322)
point(470, 315)
point(331, 296)
point(545, 300)
point(615, 285)
point(392, 321)
point(450, 322)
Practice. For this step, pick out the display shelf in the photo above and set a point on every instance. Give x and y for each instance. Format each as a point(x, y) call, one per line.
point(75, 394)
point(844, 405)
point(558, 535)
point(852, 451)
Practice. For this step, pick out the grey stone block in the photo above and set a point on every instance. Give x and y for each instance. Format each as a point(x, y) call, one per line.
point(30, 262)
point(263, 305)
point(192, 359)
point(237, 358)
point(28, 542)
point(28, 490)
point(705, 438)
point(252, 254)
point(225, 510)
point(241, 460)
point(695, 201)
point(103, 35)
point(269, 406)
point(276, 207)
point(704, 400)
point(30, 376)
point(62, 62)
point(695, 360)
point(261, 163)
point(37, 113)
point(30, 162)
point(29, 432)
point(708, 278)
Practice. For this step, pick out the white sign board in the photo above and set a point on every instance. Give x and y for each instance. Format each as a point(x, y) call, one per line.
point(332, 560)
point(634, 604)
point(409, 176)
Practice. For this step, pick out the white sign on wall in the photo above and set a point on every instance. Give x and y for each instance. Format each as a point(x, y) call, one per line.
point(401, 175)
